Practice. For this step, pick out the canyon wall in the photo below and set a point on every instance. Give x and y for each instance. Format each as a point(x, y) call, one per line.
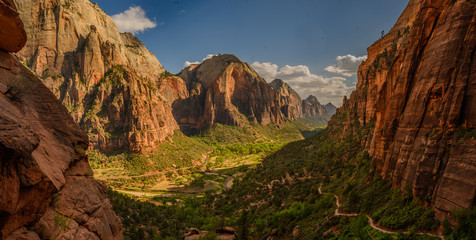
point(47, 190)
point(119, 93)
point(418, 87)
point(226, 90)
point(312, 107)
point(110, 83)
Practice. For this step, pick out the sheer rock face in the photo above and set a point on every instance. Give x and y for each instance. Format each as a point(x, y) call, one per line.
point(227, 91)
point(47, 188)
point(291, 102)
point(312, 107)
point(78, 52)
point(419, 87)
point(331, 108)
point(292, 106)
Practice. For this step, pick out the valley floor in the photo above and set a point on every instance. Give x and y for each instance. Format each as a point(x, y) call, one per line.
point(317, 188)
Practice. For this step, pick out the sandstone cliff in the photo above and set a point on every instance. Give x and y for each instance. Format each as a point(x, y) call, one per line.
point(418, 86)
point(119, 93)
point(290, 101)
point(312, 107)
point(47, 190)
point(110, 83)
point(293, 107)
point(225, 90)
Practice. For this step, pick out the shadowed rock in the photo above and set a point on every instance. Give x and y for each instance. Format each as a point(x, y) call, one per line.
point(418, 87)
point(47, 190)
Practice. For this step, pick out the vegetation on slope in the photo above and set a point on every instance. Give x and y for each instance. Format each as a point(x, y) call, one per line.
point(281, 198)
point(181, 151)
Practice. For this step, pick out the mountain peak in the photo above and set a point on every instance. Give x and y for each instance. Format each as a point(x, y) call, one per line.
point(331, 108)
point(225, 58)
point(277, 82)
point(283, 88)
point(312, 99)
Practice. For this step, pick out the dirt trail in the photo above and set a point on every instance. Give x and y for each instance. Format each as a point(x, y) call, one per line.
point(371, 221)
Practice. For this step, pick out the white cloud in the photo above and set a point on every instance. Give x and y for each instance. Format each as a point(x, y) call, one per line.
point(266, 70)
point(133, 20)
point(346, 65)
point(305, 83)
point(188, 63)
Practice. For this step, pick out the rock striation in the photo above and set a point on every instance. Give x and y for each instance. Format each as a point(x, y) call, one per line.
point(291, 102)
point(47, 189)
point(418, 87)
point(119, 93)
point(225, 90)
point(312, 107)
point(111, 84)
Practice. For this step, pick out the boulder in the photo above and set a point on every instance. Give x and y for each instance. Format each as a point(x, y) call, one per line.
point(12, 34)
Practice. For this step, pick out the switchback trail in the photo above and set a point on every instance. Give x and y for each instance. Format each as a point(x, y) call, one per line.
point(371, 221)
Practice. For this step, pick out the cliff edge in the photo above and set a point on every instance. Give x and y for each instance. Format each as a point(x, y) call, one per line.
point(47, 189)
point(418, 87)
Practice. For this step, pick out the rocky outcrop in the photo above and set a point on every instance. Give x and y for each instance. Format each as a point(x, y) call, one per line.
point(227, 91)
point(312, 107)
point(330, 108)
point(119, 93)
point(418, 87)
point(47, 189)
point(12, 34)
point(110, 83)
point(291, 102)
point(293, 107)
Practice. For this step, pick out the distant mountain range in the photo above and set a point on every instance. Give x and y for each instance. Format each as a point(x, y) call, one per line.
point(411, 121)
point(119, 93)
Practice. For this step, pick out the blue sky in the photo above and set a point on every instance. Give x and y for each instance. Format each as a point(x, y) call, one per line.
point(291, 39)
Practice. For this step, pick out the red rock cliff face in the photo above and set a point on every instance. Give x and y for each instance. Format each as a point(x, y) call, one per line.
point(47, 190)
point(228, 91)
point(109, 82)
point(419, 88)
point(312, 107)
point(290, 100)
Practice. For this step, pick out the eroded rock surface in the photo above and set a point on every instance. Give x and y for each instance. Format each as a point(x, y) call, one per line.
point(290, 101)
point(312, 107)
point(227, 91)
point(418, 86)
point(47, 190)
point(114, 88)
point(12, 34)
point(119, 93)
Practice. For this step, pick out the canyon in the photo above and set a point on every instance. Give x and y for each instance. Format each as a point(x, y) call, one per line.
point(71, 82)
point(119, 93)
point(418, 89)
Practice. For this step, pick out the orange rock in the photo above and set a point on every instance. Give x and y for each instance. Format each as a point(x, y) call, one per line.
point(12, 34)
point(418, 86)
point(45, 175)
